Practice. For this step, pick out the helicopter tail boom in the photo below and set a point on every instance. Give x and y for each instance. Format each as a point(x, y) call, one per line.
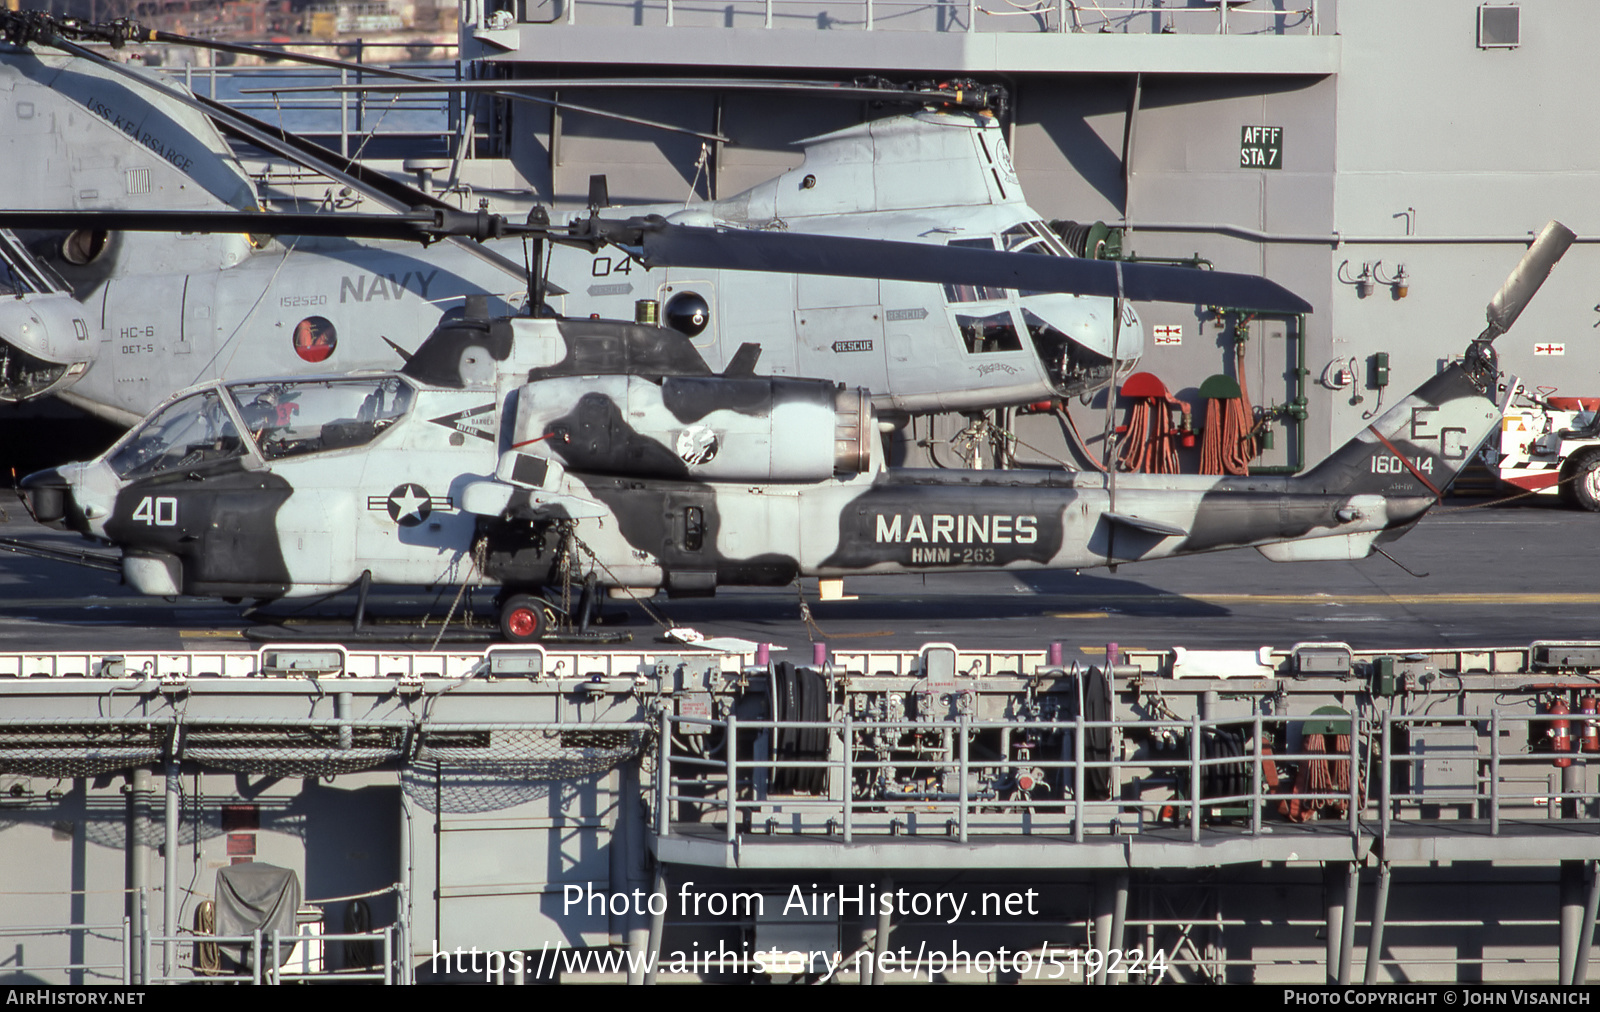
point(1416, 448)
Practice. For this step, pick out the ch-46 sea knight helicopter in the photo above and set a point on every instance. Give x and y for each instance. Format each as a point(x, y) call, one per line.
point(528, 452)
point(114, 321)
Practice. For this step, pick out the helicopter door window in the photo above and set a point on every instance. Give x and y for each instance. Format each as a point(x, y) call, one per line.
point(985, 334)
point(973, 293)
point(186, 434)
point(293, 419)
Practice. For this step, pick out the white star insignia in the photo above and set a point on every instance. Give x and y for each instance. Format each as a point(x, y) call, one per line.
point(409, 503)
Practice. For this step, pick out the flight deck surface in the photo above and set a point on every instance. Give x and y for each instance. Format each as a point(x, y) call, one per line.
point(1496, 575)
point(961, 762)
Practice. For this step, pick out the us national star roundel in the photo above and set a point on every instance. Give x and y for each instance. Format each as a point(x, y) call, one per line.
point(409, 504)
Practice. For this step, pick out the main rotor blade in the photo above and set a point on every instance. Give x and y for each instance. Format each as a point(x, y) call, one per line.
point(22, 27)
point(1527, 277)
point(370, 181)
point(242, 49)
point(976, 97)
point(788, 252)
point(418, 82)
point(418, 225)
point(383, 190)
point(834, 89)
point(386, 190)
point(661, 243)
point(253, 130)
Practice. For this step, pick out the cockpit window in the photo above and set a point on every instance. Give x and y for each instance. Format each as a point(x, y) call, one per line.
point(985, 334)
point(186, 434)
point(1024, 237)
point(973, 293)
point(288, 419)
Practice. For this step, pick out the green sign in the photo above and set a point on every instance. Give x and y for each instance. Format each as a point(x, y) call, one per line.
point(1261, 147)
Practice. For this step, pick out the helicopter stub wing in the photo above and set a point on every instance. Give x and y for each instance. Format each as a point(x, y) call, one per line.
point(1147, 525)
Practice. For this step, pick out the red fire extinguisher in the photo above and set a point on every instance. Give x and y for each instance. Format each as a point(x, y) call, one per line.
point(1561, 732)
point(1589, 706)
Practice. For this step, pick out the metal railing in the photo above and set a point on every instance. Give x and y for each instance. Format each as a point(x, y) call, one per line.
point(262, 968)
point(1133, 17)
point(121, 931)
point(345, 121)
point(1386, 777)
point(302, 746)
point(327, 661)
point(149, 958)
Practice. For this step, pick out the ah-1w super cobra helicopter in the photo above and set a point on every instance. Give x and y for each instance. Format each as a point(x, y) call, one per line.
point(141, 314)
point(529, 451)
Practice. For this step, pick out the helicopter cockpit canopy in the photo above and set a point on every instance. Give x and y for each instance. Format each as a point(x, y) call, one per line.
point(1069, 333)
point(288, 419)
point(195, 430)
point(276, 418)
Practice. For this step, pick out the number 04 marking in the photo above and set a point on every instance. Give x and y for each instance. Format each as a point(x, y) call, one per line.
point(158, 511)
point(605, 266)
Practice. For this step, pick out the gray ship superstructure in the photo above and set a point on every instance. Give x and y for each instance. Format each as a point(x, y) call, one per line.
point(701, 812)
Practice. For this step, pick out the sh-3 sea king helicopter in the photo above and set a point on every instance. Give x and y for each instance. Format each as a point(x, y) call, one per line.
point(113, 321)
point(530, 451)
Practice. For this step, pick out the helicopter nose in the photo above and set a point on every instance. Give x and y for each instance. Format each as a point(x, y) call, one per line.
point(1087, 322)
point(48, 495)
point(27, 368)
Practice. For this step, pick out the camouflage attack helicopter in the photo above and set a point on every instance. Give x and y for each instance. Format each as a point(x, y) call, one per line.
point(139, 315)
point(528, 452)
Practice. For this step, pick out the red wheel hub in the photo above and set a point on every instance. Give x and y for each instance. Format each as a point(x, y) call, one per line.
point(522, 621)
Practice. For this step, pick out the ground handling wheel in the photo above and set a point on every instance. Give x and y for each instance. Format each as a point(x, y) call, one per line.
point(525, 618)
point(1585, 483)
